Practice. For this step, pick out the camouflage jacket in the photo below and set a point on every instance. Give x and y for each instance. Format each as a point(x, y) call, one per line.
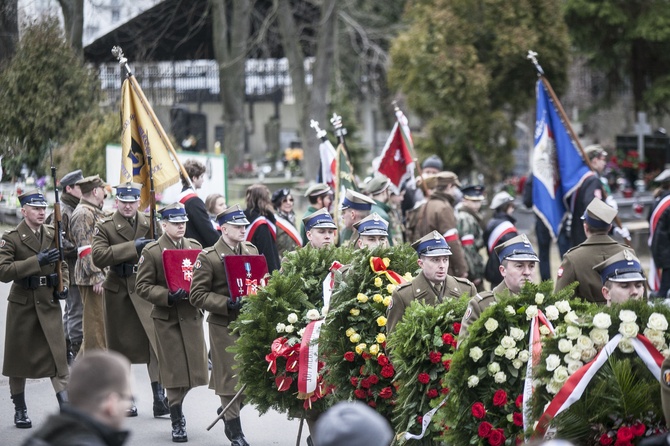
point(472, 238)
point(82, 226)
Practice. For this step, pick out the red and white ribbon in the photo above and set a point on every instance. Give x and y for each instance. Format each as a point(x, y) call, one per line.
point(535, 354)
point(83, 251)
point(308, 365)
point(502, 229)
point(451, 235)
point(468, 240)
point(425, 422)
point(329, 284)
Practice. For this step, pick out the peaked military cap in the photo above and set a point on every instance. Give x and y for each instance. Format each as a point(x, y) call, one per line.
point(432, 245)
point(232, 215)
point(518, 249)
point(174, 213)
point(87, 184)
point(621, 267)
point(446, 178)
point(71, 178)
point(473, 193)
point(33, 198)
point(356, 200)
point(378, 184)
point(128, 192)
point(319, 219)
point(373, 224)
point(599, 214)
point(317, 189)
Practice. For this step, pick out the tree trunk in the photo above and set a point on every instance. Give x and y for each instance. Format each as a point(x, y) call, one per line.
point(73, 18)
point(9, 29)
point(231, 22)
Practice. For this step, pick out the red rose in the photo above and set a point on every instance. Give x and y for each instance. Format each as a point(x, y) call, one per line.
point(382, 360)
point(387, 371)
point(349, 356)
point(365, 383)
point(354, 381)
point(432, 393)
point(478, 410)
point(374, 379)
point(447, 338)
point(444, 390)
point(435, 357)
point(638, 429)
point(360, 394)
point(361, 370)
point(500, 398)
point(372, 404)
point(457, 327)
point(517, 418)
point(519, 401)
point(624, 434)
point(497, 437)
point(386, 393)
point(424, 378)
point(606, 439)
point(419, 420)
point(447, 364)
point(366, 355)
point(484, 429)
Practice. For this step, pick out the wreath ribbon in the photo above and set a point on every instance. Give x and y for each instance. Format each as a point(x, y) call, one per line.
point(535, 350)
point(425, 422)
point(308, 368)
point(379, 266)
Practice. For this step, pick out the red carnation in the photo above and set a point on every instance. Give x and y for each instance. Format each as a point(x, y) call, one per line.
point(354, 381)
point(435, 357)
point(478, 410)
point(387, 371)
point(606, 439)
point(444, 390)
point(349, 356)
point(519, 401)
point(500, 398)
point(447, 338)
point(517, 418)
point(424, 378)
point(386, 393)
point(638, 429)
point(457, 327)
point(496, 437)
point(374, 379)
point(366, 355)
point(360, 394)
point(432, 393)
point(372, 404)
point(382, 360)
point(484, 429)
point(624, 434)
point(447, 364)
point(365, 383)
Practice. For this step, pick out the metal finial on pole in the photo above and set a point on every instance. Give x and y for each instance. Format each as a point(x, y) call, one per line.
point(395, 106)
point(532, 55)
point(320, 133)
point(118, 53)
point(340, 131)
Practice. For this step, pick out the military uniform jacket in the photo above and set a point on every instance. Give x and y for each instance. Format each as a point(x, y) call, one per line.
point(82, 227)
point(180, 339)
point(665, 389)
point(34, 341)
point(209, 291)
point(578, 265)
point(421, 289)
point(591, 188)
point(476, 307)
point(470, 224)
point(438, 215)
point(128, 322)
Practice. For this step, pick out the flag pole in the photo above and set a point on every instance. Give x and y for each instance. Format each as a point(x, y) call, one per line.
point(417, 166)
point(532, 56)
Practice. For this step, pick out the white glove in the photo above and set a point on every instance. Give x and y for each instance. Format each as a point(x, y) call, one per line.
point(611, 202)
point(622, 231)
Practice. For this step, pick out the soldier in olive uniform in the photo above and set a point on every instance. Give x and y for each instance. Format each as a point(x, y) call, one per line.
point(117, 243)
point(321, 230)
point(372, 232)
point(579, 261)
point(181, 349)
point(471, 231)
point(622, 278)
point(433, 284)
point(355, 207)
point(320, 197)
point(209, 291)
point(34, 336)
point(517, 266)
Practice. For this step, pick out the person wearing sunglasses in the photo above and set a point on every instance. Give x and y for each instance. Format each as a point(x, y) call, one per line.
point(288, 236)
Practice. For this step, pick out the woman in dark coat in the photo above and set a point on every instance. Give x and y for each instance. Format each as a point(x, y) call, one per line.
point(262, 232)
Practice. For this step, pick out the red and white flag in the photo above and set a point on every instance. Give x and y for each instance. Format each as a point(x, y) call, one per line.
point(328, 166)
point(396, 159)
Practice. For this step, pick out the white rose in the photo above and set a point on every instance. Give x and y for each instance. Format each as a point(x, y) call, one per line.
point(517, 333)
point(517, 364)
point(553, 387)
point(539, 298)
point(507, 342)
point(564, 345)
point(563, 306)
point(654, 336)
point(573, 366)
point(281, 328)
point(313, 314)
point(500, 377)
point(510, 310)
point(476, 353)
point(627, 316)
point(531, 312)
point(584, 342)
point(626, 346)
point(324, 311)
point(511, 353)
point(574, 355)
point(292, 318)
point(491, 325)
point(588, 354)
point(524, 355)
point(657, 322)
point(551, 312)
point(493, 368)
point(499, 351)
point(602, 320)
point(552, 361)
point(573, 332)
point(544, 330)
point(629, 329)
point(561, 374)
point(289, 328)
point(599, 336)
point(570, 317)
point(473, 381)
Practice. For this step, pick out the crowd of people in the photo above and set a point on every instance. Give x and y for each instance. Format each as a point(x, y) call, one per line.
point(118, 298)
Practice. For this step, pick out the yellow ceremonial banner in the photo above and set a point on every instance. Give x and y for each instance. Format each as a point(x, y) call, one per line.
point(141, 136)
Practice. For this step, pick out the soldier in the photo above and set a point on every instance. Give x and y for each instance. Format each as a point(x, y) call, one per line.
point(355, 207)
point(199, 226)
point(659, 237)
point(579, 261)
point(589, 189)
point(180, 339)
point(517, 266)
point(321, 229)
point(87, 276)
point(498, 230)
point(34, 341)
point(471, 230)
point(622, 278)
point(320, 197)
point(372, 232)
point(378, 189)
point(117, 243)
point(433, 284)
point(209, 291)
point(438, 215)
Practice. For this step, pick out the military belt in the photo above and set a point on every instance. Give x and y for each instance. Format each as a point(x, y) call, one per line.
point(34, 282)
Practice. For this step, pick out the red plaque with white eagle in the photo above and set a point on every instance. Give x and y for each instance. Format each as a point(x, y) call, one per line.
point(245, 274)
point(178, 266)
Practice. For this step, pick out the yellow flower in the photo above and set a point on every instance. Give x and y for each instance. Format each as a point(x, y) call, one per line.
point(355, 311)
point(354, 338)
point(390, 287)
point(387, 301)
point(378, 282)
point(381, 321)
point(377, 298)
point(374, 349)
point(381, 338)
point(350, 331)
point(360, 348)
point(362, 298)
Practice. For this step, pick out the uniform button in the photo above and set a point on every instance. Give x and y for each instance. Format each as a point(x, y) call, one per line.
point(37, 302)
